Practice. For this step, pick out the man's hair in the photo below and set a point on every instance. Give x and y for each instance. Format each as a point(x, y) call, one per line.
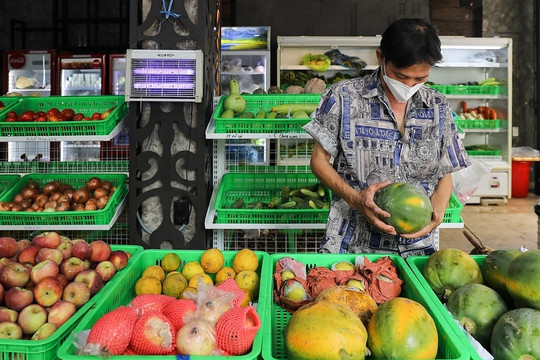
point(408, 42)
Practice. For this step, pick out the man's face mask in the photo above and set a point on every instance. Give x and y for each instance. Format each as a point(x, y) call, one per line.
point(400, 91)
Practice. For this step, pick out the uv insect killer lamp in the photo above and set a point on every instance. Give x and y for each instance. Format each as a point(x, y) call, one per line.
point(164, 75)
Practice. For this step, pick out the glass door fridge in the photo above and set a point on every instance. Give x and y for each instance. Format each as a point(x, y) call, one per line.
point(80, 75)
point(117, 74)
point(29, 72)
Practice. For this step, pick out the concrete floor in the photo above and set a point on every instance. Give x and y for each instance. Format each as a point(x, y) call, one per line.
point(498, 226)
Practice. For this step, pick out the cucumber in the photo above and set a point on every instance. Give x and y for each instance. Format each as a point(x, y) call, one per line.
point(292, 108)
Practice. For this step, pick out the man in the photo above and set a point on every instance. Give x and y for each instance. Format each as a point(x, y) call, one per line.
point(382, 128)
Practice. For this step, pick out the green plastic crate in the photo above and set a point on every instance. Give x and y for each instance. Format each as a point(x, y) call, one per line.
point(6, 181)
point(264, 187)
point(123, 294)
point(472, 90)
point(274, 346)
point(453, 210)
point(9, 101)
point(494, 152)
point(46, 349)
point(83, 104)
point(93, 217)
point(416, 264)
point(265, 102)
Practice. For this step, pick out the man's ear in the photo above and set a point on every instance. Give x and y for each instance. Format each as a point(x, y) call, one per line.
point(379, 56)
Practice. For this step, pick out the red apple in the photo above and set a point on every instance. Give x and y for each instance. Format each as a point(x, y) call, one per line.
point(2, 291)
point(63, 280)
point(91, 278)
point(44, 331)
point(23, 244)
point(49, 239)
point(71, 267)
point(100, 251)
point(8, 246)
point(7, 314)
point(77, 293)
point(10, 330)
point(48, 291)
point(4, 261)
point(17, 298)
point(44, 269)
point(106, 270)
point(48, 253)
point(31, 318)
point(28, 255)
point(14, 274)
point(60, 312)
point(81, 249)
point(62, 237)
point(65, 248)
point(119, 258)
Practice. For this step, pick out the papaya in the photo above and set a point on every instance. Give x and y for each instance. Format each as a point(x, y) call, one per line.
point(494, 270)
point(402, 328)
point(477, 307)
point(516, 335)
point(360, 302)
point(447, 269)
point(409, 208)
point(325, 330)
point(523, 279)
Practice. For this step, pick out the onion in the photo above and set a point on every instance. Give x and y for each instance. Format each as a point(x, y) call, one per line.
point(50, 187)
point(69, 193)
point(102, 202)
point(81, 196)
point(90, 206)
point(17, 198)
point(25, 204)
point(63, 198)
point(91, 201)
point(32, 184)
point(50, 204)
point(93, 183)
point(29, 209)
point(55, 196)
point(100, 192)
point(77, 207)
point(16, 208)
point(4, 206)
point(29, 193)
point(106, 184)
point(62, 206)
point(41, 200)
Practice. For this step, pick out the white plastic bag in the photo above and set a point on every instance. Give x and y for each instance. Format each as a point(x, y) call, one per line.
point(466, 180)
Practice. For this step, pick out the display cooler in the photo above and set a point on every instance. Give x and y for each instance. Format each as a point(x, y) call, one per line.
point(81, 75)
point(117, 74)
point(29, 72)
point(245, 56)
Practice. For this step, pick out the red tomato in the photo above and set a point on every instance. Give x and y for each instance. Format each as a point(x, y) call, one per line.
point(40, 118)
point(78, 117)
point(96, 116)
point(53, 111)
point(68, 114)
point(12, 114)
point(27, 116)
point(41, 113)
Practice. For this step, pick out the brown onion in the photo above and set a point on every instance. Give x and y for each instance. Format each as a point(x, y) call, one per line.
point(81, 196)
point(69, 193)
point(90, 206)
point(77, 207)
point(29, 193)
point(17, 198)
point(55, 196)
point(32, 184)
point(93, 183)
point(63, 206)
point(41, 199)
point(5, 206)
point(25, 204)
point(102, 202)
point(91, 201)
point(62, 198)
point(36, 206)
point(50, 187)
point(100, 192)
point(50, 204)
point(16, 208)
point(106, 184)
point(29, 209)
point(64, 187)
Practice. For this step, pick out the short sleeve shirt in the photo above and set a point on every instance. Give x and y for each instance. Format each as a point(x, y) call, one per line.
point(354, 123)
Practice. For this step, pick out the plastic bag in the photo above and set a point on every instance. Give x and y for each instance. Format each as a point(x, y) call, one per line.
point(525, 151)
point(466, 180)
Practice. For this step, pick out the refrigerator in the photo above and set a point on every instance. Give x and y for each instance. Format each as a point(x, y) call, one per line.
point(29, 72)
point(118, 146)
point(81, 75)
point(117, 74)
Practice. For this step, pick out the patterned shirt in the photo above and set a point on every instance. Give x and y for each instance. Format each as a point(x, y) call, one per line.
point(355, 124)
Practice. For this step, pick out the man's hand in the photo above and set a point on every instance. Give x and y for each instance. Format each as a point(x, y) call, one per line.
point(364, 202)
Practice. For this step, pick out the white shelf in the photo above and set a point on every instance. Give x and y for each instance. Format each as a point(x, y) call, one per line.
point(119, 126)
point(332, 67)
point(479, 97)
point(471, 65)
point(108, 226)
